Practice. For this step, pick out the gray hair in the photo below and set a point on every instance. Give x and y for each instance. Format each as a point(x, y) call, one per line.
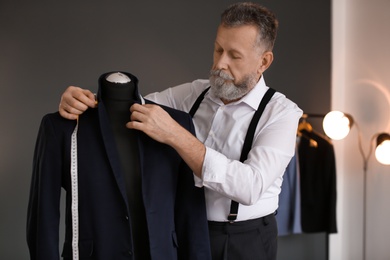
point(248, 13)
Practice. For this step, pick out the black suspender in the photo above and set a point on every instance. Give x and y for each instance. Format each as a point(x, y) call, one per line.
point(252, 126)
point(195, 106)
point(248, 138)
point(248, 143)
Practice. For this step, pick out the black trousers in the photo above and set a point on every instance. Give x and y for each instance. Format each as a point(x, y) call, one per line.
point(244, 240)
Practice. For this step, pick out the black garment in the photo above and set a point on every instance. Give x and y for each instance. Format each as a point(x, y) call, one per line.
point(317, 166)
point(174, 208)
point(245, 240)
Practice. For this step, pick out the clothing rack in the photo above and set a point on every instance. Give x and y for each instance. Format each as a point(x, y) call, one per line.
point(304, 117)
point(306, 126)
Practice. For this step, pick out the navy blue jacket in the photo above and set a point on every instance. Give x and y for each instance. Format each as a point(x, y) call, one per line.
point(174, 207)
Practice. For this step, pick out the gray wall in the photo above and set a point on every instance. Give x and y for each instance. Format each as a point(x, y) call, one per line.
point(47, 45)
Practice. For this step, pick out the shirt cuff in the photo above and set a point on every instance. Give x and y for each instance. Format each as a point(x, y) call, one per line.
point(214, 167)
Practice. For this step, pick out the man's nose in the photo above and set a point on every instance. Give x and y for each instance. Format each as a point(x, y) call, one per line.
point(221, 62)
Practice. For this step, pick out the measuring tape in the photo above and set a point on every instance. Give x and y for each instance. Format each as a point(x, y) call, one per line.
point(74, 192)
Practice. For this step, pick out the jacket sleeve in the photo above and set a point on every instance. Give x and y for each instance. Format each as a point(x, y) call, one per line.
point(191, 217)
point(44, 202)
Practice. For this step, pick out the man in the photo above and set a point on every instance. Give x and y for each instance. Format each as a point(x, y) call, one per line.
point(242, 52)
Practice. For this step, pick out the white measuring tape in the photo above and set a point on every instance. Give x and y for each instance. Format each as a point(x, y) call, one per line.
point(75, 195)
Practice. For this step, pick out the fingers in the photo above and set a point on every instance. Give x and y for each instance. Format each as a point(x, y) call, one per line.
point(134, 125)
point(79, 98)
point(74, 101)
point(67, 115)
point(88, 98)
point(139, 113)
point(151, 119)
point(138, 107)
point(146, 119)
point(145, 112)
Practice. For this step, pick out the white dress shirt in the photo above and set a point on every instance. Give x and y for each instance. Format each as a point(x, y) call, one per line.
point(255, 184)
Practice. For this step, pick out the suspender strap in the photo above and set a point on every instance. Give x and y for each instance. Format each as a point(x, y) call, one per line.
point(252, 126)
point(195, 106)
point(248, 144)
point(248, 138)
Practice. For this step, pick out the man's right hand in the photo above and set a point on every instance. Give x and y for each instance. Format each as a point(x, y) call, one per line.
point(74, 101)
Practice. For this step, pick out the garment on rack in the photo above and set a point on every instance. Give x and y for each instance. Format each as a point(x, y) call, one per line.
point(288, 214)
point(318, 183)
point(174, 207)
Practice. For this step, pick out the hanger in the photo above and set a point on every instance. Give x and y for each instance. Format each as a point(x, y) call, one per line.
point(306, 126)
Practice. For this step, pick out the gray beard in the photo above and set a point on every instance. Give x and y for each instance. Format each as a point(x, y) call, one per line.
point(223, 87)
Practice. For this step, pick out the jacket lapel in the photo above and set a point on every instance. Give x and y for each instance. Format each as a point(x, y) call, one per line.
point(112, 153)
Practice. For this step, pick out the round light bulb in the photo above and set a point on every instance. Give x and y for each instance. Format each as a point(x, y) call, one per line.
point(336, 125)
point(382, 151)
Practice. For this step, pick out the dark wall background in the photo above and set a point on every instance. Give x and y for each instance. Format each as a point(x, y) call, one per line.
point(47, 45)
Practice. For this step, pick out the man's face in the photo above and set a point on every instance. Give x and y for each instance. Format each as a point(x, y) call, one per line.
point(237, 62)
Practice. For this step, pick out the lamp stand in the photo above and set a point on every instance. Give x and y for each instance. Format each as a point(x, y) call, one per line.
point(365, 169)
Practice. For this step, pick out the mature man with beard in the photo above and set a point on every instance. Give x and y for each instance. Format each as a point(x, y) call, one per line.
point(242, 52)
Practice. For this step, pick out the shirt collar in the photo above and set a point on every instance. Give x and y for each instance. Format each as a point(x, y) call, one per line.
point(253, 98)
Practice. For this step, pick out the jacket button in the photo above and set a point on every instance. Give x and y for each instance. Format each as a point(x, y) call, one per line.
point(127, 217)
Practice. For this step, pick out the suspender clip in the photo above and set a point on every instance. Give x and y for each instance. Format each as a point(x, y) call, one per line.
point(232, 217)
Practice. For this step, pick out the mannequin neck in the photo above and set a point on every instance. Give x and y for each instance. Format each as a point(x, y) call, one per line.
point(117, 91)
point(118, 98)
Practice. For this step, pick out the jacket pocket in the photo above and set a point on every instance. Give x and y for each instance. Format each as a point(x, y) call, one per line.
point(85, 249)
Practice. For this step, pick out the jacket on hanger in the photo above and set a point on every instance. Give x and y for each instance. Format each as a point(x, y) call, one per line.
point(317, 166)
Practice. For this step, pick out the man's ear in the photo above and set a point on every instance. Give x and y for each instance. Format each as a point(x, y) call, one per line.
point(266, 60)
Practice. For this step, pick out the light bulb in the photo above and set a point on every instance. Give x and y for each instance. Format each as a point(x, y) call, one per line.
point(336, 124)
point(382, 151)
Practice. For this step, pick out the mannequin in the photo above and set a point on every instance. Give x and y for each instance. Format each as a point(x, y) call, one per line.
point(120, 214)
point(118, 93)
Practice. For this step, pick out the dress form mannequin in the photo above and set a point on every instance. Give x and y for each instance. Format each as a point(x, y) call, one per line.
point(118, 93)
